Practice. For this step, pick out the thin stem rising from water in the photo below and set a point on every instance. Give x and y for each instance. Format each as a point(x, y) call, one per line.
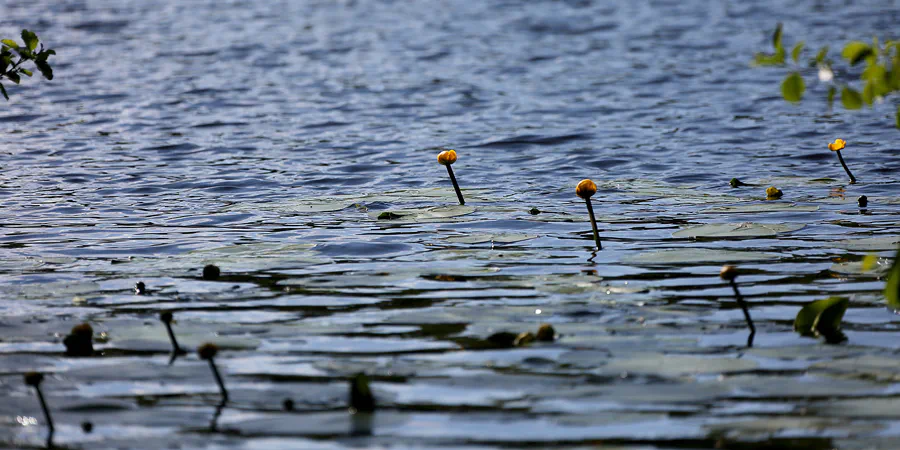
point(743, 305)
point(455, 185)
point(846, 169)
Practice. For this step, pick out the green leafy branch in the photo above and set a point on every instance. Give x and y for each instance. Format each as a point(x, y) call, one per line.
point(880, 78)
point(13, 56)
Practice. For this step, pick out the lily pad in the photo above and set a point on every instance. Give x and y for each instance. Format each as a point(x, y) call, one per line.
point(745, 229)
point(871, 243)
point(303, 205)
point(153, 337)
point(413, 215)
point(498, 238)
point(677, 365)
point(880, 267)
point(761, 208)
point(698, 255)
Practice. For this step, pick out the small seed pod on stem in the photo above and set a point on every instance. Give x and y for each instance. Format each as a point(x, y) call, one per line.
point(836, 147)
point(208, 352)
point(729, 274)
point(447, 158)
point(586, 189)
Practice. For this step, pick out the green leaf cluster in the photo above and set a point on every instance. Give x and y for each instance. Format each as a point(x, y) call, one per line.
point(880, 76)
point(892, 288)
point(822, 318)
point(13, 56)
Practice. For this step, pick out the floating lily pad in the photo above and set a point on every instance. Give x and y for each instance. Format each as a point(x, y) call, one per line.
point(498, 238)
point(880, 267)
point(761, 208)
point(153, 337)
point(302, 205)
point(698, 255)
point(413, 215)
point(745, 229)
point(872, 243)
point(677, 365)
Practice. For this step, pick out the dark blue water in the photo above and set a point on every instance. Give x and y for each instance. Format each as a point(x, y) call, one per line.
point(267, 138)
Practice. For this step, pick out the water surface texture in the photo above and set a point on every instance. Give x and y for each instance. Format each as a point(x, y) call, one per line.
point(268, 137)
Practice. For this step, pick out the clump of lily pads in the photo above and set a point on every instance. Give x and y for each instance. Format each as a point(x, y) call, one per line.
point(822, 319)
point(80, 341)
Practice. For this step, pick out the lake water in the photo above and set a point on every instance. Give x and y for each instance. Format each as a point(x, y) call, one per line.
point(268, 137)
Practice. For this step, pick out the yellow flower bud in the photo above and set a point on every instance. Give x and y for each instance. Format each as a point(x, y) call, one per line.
point(728, 273)
point(447, 157)
point(585, 189)
point(773, 193)
point(546, 333)
point(838, 144)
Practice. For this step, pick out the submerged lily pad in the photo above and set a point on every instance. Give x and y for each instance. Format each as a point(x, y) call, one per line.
point(698, 255)
point(499, 238)
point(745, 229)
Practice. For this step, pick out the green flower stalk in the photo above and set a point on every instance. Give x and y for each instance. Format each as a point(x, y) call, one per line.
point(447, 158)
point(836, 147)
point(586, 189)
point(166, 318)
point(729, 274)
point(34, 380)
point(208, 352)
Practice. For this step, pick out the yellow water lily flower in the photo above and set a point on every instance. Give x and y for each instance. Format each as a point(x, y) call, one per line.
point(447, 157)
point(838, 144)
point(773, 192)
point(585, 189)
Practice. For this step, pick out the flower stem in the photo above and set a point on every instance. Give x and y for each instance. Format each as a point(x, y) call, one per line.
point(45, 409)
point(593, 223)
point(455, 185)
point(215, 371)
point(176, 349)
point(743, 305)
point(846, 169)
